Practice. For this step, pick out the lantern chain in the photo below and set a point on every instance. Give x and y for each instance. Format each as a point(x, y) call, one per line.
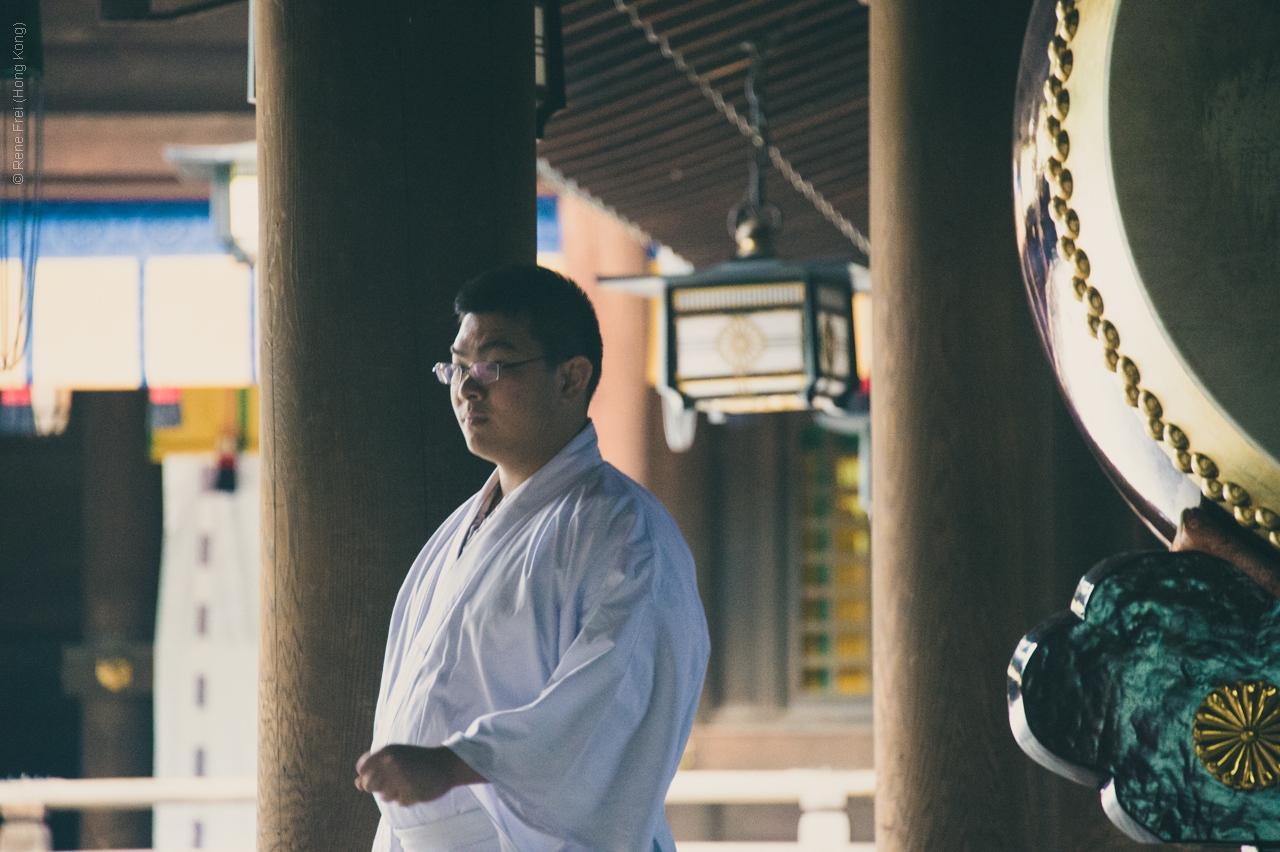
point(798, 183)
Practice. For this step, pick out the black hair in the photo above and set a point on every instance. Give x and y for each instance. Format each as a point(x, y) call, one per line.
point(558, 314)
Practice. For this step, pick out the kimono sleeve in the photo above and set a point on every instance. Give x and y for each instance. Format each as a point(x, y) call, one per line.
point(590, 759)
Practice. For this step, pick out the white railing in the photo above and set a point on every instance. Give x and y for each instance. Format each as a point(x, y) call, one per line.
point(822, 794)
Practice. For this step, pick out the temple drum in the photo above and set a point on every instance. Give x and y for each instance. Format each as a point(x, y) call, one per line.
point(1146, 172)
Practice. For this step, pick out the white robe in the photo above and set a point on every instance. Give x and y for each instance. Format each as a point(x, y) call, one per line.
point(560, 654)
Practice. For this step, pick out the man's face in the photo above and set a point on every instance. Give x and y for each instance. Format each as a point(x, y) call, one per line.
point(509, 421)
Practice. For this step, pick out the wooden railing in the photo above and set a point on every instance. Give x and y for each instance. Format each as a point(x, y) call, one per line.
point(822, 794)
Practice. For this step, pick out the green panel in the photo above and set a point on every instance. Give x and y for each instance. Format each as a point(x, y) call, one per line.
point(816, 680)
point(817, 644)
point(817, 575)
point(817, 610)
point(819, 506)
point(1116, 693)
point(816, 541)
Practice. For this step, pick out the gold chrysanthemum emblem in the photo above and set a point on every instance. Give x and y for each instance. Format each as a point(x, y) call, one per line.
point(741, 343)
point(1237, 734)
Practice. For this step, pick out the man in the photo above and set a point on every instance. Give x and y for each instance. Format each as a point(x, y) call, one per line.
point(547, 649)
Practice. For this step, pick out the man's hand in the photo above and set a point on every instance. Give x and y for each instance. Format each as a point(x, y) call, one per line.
point(407, 774)
point(1204, 531)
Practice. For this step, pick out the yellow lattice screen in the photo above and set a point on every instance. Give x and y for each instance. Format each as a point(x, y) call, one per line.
point(835, 584)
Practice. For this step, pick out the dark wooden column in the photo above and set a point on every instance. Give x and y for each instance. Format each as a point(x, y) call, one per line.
point(750, 505)
point(123, 523)
point(987, 506)
point(396, 154)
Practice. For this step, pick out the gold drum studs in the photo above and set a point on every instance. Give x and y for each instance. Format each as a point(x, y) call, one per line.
point(1068, 23)
point(1065, 183)
point(1151, 406)
point(1056, 140)
point(1176, 438)
point(1236, 732)
point(1204, 466)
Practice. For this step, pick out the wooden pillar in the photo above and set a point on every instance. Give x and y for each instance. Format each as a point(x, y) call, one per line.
point(959, 426)
point(122, 530)
point(595, 245)
point(396, 155)
point(980, 510)
point(752, 507)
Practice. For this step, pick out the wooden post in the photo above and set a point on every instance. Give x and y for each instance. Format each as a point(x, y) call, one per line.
point(122, 531)
point(987, 506)
point(396, 154)
point(595, 245)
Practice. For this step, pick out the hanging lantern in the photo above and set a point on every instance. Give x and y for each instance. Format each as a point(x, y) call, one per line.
point(232, 173)
point(761, 335)
point(548, 53)
point(754, 334)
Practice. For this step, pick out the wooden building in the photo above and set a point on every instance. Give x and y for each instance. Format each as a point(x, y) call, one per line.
point(397, 157)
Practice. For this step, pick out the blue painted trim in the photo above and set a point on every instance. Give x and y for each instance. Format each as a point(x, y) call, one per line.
point(548, 224)
point(121, 228)
point(141, 229)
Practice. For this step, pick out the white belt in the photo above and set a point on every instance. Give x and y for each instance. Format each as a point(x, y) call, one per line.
point(453, 832)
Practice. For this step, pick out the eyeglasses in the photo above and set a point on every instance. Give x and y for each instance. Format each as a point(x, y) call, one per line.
point(484, 372)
